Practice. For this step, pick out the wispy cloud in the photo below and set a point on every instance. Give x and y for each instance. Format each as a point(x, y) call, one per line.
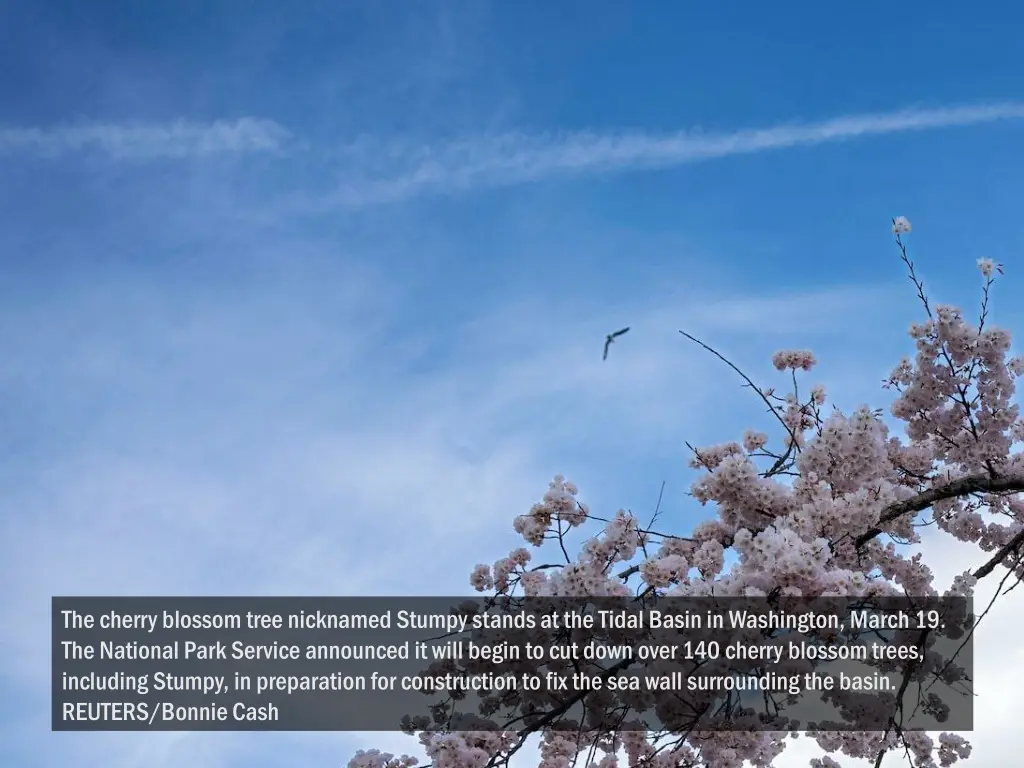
point(144, 141)
point(518, 158)
point(374, 172)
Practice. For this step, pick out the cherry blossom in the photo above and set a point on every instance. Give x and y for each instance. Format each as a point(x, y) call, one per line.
point(826, 510)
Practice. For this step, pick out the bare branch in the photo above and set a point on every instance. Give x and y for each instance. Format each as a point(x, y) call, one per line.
point(720, 356)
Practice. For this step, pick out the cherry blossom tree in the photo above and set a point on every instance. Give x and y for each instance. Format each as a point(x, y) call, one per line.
point(832, 510)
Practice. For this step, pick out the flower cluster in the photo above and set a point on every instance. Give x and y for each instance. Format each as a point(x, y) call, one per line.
point(795, 360)
point(559, 503)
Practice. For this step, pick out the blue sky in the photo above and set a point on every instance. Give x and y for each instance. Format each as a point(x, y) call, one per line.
point(305, 302)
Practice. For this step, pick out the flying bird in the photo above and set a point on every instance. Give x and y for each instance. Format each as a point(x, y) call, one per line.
point(610, 339)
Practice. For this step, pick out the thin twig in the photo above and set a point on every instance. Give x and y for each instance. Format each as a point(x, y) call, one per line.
point(746, 378)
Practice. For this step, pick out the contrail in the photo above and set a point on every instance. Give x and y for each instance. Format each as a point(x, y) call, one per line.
point(374, 172)
point(179, 139)
point(520, 158)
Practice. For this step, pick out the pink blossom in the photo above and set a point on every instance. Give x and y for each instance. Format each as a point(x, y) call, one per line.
point(796, 360)
point(481, 579)
point(989, 268)
point(754, 441)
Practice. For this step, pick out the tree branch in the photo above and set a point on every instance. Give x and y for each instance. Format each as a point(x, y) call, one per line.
point(753, 386)
point(1005, 551)
point(980, 483)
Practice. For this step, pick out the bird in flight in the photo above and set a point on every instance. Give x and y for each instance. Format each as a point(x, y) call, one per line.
point(610, 339)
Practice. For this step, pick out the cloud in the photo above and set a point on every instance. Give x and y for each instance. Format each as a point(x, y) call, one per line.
point(388, 173)
point(147, 141)
point(376, 172)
